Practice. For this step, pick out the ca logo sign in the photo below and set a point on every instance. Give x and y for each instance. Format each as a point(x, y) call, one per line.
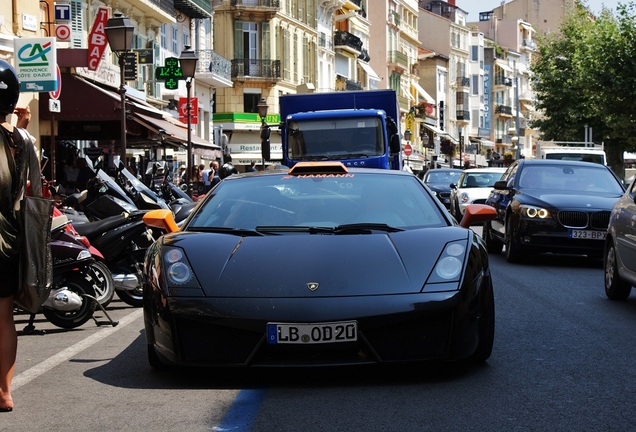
point(34, 54)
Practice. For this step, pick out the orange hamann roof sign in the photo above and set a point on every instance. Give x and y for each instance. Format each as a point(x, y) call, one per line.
point(318, 168)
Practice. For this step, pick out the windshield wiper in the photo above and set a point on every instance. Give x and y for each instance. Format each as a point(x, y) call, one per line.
point(356, 228)
point(225, 230)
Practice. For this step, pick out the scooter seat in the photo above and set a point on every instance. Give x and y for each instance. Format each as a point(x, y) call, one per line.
point(94, 229)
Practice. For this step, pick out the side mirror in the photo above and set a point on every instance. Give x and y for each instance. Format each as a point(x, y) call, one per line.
point(453, 186)
point(162, 219)
point(394, 145)
point(475, 214)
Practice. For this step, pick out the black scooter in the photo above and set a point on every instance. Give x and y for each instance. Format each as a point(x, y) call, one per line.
point(71, 302)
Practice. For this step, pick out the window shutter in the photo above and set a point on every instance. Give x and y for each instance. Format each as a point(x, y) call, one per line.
point(77, 24)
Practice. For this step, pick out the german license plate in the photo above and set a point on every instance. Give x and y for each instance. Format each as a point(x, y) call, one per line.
point(308, 333)
point(588, 234)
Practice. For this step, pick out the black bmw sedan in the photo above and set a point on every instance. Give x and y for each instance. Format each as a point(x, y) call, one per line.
point(318, 265)
point(553, 206)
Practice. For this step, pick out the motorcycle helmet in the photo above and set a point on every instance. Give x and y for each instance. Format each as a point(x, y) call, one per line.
point(9, 88)
point(227, 170)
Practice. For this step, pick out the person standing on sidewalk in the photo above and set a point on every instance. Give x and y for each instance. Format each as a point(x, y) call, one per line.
point(14, 174)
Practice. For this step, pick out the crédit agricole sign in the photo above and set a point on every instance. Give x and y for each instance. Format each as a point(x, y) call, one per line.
point(36, 62)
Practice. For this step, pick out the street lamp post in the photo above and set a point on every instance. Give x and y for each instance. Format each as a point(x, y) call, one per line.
point(461, 159)
point(265, 132)
point(518, 154)
point(425, 140)
point(407, 136)
point(188, 64)
point(119, 32)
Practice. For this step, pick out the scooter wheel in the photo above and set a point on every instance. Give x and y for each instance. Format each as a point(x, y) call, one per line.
point(134, 298)
point(73, 319)
point(102, 282)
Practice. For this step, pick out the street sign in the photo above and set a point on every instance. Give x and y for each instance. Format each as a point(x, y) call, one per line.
point(55, 106)
point(130, 66)
point(145, 55)
point(62, 32)
point(56, 94)
point(97, 40)
point(408, 150)
point(62, 12)
point(194, 110)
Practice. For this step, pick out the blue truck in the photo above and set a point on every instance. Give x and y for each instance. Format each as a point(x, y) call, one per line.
point(357, 128)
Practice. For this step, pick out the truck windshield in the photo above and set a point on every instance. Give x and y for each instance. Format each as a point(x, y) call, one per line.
point(335, 139)
point(585, 157)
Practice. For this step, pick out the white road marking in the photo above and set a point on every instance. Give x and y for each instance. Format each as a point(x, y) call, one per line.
point(48, 364)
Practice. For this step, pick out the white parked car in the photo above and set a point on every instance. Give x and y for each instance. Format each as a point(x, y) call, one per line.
point(473, 187)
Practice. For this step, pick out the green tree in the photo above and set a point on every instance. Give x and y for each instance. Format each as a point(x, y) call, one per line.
point(586, 75)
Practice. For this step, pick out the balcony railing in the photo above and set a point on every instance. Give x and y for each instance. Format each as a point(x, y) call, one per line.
point(463, 82)
point(252, 68)
point(503, 109)
point(257, 10)
point(343, 83)
point(502, 80)
point(194, 8)
point(348, 40)
point(394, 18)
point(398, 58)
point(211, 62)
point(462, 115)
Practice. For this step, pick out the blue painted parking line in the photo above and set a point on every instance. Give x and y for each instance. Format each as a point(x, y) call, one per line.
point(242, 414)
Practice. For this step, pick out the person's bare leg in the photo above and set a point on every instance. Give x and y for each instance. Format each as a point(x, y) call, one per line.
point(8, 349)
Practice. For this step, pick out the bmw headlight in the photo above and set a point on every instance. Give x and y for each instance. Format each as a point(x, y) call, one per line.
point(450, 264)
point(177, 268)
point(533, 212)
point(464, 197)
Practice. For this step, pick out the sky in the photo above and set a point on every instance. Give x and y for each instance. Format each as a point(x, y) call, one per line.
point(473, 7)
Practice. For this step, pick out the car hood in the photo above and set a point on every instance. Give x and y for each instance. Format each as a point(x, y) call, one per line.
point(475, 192)
point(568, 200)
point(439, 187)
point(342, 265)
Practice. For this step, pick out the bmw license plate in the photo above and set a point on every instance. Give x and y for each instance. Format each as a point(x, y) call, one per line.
point(330, 332)
point(588, 234)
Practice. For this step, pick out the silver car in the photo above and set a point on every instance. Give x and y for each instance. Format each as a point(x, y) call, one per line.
point(620, 247)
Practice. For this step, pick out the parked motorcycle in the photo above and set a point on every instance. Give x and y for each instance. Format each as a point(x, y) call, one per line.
point(170, 196)
point(71, 301)
point(123, 240)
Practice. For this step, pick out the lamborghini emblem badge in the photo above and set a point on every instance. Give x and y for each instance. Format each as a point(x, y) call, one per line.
point(313, 286)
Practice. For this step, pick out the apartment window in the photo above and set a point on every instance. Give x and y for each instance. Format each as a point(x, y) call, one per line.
point(475, 84)
point(186, 38)
point(175, 39)
point(164, 43)
point(250, 100)
point(474, 53)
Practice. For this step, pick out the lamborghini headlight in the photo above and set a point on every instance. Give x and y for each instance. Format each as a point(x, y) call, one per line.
point(450, 264)
point(178, 270)
point(533, 212)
